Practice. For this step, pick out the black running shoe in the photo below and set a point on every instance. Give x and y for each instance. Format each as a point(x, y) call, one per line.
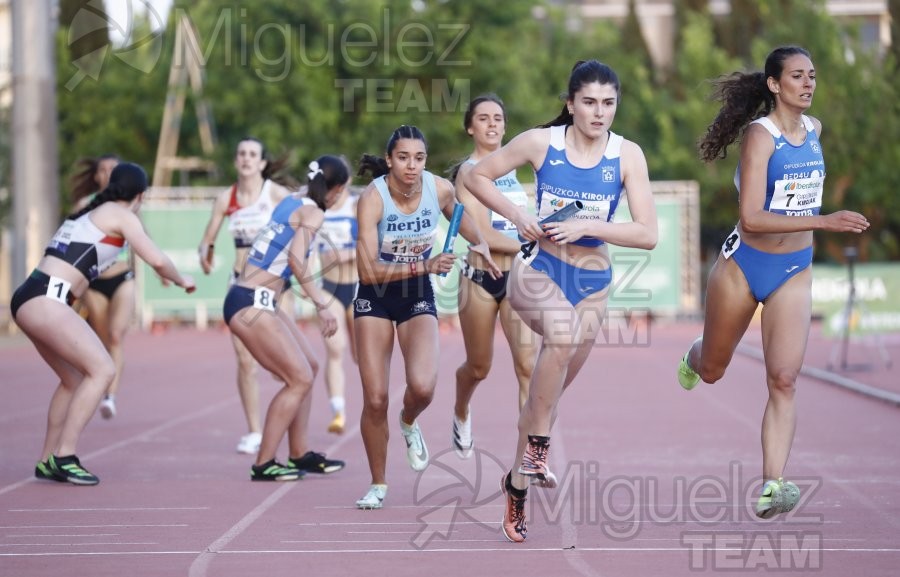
point(69, 470)
point(274, 471)
point(313, 462)
point(42, 471)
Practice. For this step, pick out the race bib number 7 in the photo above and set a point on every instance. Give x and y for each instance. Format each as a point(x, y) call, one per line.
point(58, 289)
point(264, 299)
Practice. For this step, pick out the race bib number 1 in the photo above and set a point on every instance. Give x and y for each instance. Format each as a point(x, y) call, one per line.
point(264, 299)
point(58, 289)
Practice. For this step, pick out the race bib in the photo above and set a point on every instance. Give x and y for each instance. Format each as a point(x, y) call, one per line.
point(797, 197)
point(731, 244)
point(264, 299)
point(58, 290)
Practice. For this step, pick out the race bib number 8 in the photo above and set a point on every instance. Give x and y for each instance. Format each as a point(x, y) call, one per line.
point(264, 299)
point(58, 289)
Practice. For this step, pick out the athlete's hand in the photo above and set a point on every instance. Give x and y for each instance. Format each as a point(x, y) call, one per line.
point(206, 258)
point(528, 226)
point(187, 283)
point(327, 321)
point(492, 268)
point(845, 221)
point(565, 231)
point(440, 264)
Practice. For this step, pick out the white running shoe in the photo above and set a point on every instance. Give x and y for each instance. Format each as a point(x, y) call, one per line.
point(249, 443)
point(108, 407)
point(462, 436)
point(416, 451)
point(374, 499)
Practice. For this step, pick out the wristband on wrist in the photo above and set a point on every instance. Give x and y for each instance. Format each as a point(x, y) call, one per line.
point(413, 269)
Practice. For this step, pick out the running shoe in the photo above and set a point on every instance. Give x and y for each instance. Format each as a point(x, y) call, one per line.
point(42, 471)
point(69, 470)
point(416, 451)
point(513, 524)
point(337, 424)
point(108, 407)
point(313, 462)
point(274, 471)
point(462, 436)
point(688, 377)
point(249, 443)
point(777, 497)
point(534, 461)
point(374, 499)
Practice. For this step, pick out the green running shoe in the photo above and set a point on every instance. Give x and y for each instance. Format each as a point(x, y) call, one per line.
point(777, 497)
point(69, 470)
point(688, 377)
point(274, 471)
point(42, 471)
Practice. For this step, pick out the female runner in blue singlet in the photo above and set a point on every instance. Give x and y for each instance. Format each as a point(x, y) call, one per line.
point(767, 258)
point(281, 250)
point(561, 289)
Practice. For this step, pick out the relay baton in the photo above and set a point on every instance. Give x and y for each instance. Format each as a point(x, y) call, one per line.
point(560, 215)
point(454, 229)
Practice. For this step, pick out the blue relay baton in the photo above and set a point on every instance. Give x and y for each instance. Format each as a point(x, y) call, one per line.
point(453, 231)
point(560, 215)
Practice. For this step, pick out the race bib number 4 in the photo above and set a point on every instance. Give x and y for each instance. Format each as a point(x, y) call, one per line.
point(731, 244)
point(264, 299)
point(58, 289)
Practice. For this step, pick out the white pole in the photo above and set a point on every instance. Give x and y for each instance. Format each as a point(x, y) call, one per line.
point(35, 180)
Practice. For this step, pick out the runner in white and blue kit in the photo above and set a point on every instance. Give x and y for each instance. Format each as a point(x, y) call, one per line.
point(482, 300)
point(767, 258)
point(281, 250)
point(398, 216)
point(561, 289)
point(336, 243)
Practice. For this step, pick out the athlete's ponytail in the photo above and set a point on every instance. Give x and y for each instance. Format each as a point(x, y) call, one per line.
point(126, 181)
point(325, 173)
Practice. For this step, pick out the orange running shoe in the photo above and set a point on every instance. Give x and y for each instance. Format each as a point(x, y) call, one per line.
point(513, 524)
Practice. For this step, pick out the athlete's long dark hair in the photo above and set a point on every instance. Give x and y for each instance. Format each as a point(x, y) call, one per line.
point(276, 169)
point(84, 182)
point(744, 97)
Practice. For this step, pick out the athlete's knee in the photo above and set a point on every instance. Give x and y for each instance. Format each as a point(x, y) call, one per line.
point(102, 371)
point(375, 403)
point(560, 354)
point(523, 367)
point(782, 382)
point(476, 370)
point(420, 393)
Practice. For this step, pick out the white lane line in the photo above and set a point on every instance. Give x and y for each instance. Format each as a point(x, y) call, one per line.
point(406, 551)
point(201, 564)
point(85, 526)
point(31, 536)
point(94, 509)
point(73, 544)
point(133, 439)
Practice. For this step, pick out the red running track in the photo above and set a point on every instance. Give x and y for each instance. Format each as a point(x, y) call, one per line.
point(656, 481)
